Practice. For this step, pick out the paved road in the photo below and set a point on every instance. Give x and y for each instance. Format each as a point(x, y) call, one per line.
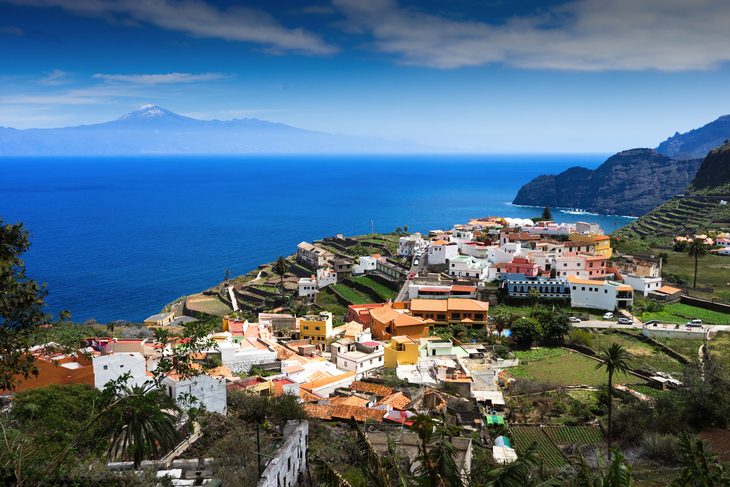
point(422, 265)
point(605, 324)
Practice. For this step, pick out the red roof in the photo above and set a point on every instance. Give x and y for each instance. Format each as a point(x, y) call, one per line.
point(463, 288)
point(372, 344)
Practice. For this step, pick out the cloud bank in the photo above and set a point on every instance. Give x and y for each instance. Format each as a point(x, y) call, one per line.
point(583, 35)
point(198, 19)
point(154, 79)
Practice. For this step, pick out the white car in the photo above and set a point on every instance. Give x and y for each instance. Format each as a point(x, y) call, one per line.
point(608, 316)
point(625, 321)
point(573, 319)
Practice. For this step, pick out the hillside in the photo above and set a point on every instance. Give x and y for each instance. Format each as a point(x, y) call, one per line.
point(630, 182)
point(154, 130)
point(697, 142)
point(699, 210)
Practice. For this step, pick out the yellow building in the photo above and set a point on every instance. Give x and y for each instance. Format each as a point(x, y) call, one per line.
point(601, 243)
point(161, 319)
point(401, 350)
point(317, 328)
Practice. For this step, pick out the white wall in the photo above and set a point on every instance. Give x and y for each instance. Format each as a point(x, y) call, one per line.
point(111, 367)
point(210, 392)
point(291, 460)
point(241, 360)
point(643, 285)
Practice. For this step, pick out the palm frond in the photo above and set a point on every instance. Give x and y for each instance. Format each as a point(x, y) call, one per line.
point(328, 476)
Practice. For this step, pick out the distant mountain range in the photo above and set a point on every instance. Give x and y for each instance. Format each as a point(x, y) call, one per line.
point(154, 130)
point(698, 142)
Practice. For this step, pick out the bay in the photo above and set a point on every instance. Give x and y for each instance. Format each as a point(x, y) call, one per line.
point(120, 237)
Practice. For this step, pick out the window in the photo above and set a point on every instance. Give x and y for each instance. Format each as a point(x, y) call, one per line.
point(455, 316)
point(479, 316)
point(467, 315)
point(565, 265)
point(591, 264)
point(106, 367)
point(590, 273)
point(121, 366)
point(306, 328)
point(583, 288)
point(453, 265)
point(441, 317)
point(596, 289)
point(380, 359)
point(316, 328)
point(578, 264)
point(605, 291)
point(590, 289)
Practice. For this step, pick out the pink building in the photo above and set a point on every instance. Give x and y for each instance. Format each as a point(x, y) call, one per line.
point(522, 266)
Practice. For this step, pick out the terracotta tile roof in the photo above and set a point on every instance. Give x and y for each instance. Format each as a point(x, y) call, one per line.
point(319, 411)
point(377, 389)
point(668, 290)
point(292, 369)
point(318, 375)
point(467, 305)
point(397, 400)
point(307, 396)
point(310, 386)
point(359, 413)
point(348, 401)
point(279, 388)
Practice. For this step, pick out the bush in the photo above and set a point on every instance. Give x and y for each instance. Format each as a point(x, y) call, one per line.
point(214, 361)
point(661, 448)
point(501, 351)
point(137, 332)
point(580, 410)
point(583, 338)
point(526, 330)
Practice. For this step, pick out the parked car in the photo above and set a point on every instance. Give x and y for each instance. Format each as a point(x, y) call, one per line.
point(625, 321)
point(573, 319)
point(413, 274)
point(608, 316)
point(694, 323)
point(651, 322)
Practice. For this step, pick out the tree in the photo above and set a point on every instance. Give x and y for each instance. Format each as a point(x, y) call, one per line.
point(501, 319)
point(110, 327)
point(21, 307)
point(616, 360)
point(696, 248)
point(405, 228)
point(533, 294)
point(557, 326)
point(546, 215)
point(526, 330)
point(280, 268)
point(228, 274)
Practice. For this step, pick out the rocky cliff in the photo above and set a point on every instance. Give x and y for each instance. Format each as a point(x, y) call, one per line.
point(630, 182)
point(701, 209)
point(713, 177)
point(698, 142)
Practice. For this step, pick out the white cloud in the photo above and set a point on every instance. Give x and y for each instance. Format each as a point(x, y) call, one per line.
point(11, 30)
point(154, 79)
point(54, 78)
point(198, 19)
point(582, 35)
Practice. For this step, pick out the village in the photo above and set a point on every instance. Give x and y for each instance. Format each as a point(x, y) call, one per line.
point(444, 329)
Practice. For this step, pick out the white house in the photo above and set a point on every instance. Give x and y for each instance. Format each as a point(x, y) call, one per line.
point(642, 284)
point(411, 244)
point(467, 266)
point(503, 254)
point(325, 277)
point(439, 252)
point(479, 250)
point(112, 366)
point(606, 295)
point(366, 263)
point(307, 287)
point(240, 357)
point(723, 242)
point(209, 392)
point(361, 356)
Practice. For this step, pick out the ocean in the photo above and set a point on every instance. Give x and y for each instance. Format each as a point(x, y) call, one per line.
point(120, 237)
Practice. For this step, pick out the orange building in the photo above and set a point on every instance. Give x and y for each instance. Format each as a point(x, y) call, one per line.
point(445, 312)
point(386, 322)
point(59, 369)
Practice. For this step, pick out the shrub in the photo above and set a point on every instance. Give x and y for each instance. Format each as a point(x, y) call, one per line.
point(661, 448)
point(580, 337)
point(501, 351)
point(214, 361)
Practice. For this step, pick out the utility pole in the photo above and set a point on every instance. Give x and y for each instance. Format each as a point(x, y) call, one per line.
point(371, 228)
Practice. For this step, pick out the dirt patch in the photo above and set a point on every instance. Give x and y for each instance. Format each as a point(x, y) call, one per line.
point(719, 441)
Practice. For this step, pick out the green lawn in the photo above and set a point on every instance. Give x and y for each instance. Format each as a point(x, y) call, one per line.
point(681, 313)
point(568, 369)
point(713, 270)
point(352, 295)
point(383, 291)
point(642, 355)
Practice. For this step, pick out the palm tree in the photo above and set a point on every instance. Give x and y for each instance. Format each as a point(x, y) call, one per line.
point(533, 294)
point(502, 318)
point(616, 360)
point(228, 274)
point(280, 268)
point(140, 424)
point(696, 248)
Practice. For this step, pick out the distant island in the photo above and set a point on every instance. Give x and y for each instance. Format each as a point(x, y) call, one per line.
point(154, 130)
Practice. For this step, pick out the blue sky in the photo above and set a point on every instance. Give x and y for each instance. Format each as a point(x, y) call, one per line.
point(518, 75)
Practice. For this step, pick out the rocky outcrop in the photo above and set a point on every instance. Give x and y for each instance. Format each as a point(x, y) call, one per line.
point(698, 142)
point(630, 182)
point(713, 177)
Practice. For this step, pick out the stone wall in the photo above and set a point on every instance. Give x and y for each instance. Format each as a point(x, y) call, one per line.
point(705, 304)
point(287, 468)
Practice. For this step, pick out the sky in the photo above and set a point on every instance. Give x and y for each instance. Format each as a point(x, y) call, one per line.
point(496, 75)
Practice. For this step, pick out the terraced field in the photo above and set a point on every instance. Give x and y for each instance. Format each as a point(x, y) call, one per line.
point(550, 438)
point(678, 216)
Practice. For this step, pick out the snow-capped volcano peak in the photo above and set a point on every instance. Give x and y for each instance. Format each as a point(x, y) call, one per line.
point(151, 112)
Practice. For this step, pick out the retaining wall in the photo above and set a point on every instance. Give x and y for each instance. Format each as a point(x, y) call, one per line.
point(705, 304)
point(287, 468)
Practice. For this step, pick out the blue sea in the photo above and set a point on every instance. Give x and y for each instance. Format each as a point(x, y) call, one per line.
point(120, 237)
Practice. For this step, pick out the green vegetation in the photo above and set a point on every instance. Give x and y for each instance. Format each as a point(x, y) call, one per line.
point(563, 369)
point(383, 291)
point(714, 272)
point(352, 295)
point(681, 313)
